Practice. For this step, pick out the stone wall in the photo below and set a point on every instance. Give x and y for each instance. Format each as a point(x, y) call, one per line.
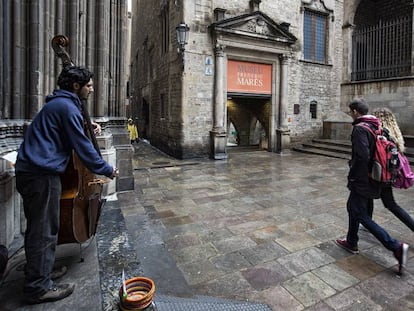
point(395, 94)
point(370, 12)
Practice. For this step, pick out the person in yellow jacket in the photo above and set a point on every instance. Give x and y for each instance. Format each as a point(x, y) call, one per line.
point(133, 131)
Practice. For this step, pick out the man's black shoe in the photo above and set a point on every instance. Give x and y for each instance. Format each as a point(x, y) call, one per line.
point(58, 272)
point(56, 292)
point(3, 259)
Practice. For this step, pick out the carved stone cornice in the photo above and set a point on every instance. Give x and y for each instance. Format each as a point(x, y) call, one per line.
point(256, 25)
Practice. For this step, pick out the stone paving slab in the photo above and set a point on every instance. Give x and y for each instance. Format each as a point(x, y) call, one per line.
point(85, 274)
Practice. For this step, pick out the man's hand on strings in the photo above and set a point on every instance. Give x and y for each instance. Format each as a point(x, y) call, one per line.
point(115, 173)
point(96, 128)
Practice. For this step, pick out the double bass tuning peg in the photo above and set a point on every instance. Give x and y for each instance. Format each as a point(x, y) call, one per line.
point(60, 40)
point(58, 44)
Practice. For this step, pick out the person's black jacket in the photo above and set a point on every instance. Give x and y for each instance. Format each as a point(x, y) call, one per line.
point(363, 144)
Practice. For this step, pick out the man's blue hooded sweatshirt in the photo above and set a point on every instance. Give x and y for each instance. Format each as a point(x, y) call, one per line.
point(54, 132)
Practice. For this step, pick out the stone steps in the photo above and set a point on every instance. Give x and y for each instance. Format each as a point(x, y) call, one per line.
point(327, 147)
point(337, 149)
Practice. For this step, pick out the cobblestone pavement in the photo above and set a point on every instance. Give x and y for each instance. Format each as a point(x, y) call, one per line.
point(260, 227)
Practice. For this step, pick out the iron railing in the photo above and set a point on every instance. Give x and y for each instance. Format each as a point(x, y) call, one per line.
point(382, 50)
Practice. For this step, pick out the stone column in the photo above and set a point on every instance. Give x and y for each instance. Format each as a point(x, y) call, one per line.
point(18, 78)
point(5, 77)
point(101, 61)
point(283, 133)
point(218, 135)
point(347, 31)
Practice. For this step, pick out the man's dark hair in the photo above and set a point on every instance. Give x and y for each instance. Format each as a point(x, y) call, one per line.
point(359, 105)
point(71, 75)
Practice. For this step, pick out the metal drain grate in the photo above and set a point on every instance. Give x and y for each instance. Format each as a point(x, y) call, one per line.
point(204, 303)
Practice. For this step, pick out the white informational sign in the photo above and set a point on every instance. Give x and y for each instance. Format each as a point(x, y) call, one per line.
point(208, 66)
point(11, 157)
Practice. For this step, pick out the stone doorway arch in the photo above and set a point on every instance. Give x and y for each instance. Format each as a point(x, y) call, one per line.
point(237, 38)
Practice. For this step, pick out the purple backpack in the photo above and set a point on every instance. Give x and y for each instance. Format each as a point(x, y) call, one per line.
point(405, 177)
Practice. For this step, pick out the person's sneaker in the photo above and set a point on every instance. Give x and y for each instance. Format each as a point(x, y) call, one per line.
point(345, 245)
point(58, 272)
point(56, 292)
point(401, 254)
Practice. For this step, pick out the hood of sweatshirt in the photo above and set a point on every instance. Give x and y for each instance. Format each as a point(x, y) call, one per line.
point(63, 93)
point(370, 119)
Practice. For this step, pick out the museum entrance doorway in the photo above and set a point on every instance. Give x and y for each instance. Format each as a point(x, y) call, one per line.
point(248, 122)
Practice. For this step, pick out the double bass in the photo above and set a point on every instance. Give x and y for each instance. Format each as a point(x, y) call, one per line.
point(81, 200)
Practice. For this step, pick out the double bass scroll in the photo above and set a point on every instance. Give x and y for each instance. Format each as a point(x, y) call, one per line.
point(81, 199)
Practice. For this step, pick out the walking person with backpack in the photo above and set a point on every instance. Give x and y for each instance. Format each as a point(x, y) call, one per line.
point(390, 125)
point(362, 188)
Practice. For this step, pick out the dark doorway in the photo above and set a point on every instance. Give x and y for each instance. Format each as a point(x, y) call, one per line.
point(145, 122)
point(248, 122)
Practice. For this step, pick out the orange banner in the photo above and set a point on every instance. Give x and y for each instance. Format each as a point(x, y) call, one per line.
point(246, 77)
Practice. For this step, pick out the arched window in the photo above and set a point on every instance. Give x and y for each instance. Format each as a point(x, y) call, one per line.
point(313, 109)
point(165, 28)
point(382, 40)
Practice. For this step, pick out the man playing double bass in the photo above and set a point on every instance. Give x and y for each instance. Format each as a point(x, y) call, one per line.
point(42, 157)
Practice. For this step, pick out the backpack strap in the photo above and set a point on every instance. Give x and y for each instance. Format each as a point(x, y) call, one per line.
point(373, 131)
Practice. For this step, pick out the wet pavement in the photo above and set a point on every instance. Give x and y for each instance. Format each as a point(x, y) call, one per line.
point(257, 228)
point(260, 227)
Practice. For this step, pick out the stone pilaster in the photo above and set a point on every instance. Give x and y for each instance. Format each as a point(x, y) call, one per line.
point(218, 135)
point(283, 133)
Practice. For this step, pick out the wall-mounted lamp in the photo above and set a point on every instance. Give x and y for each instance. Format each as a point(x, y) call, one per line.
point(182, 32)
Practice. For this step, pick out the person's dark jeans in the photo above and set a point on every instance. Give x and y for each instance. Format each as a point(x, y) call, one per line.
point(41, 202)
point(358, 208)
point(388, 200)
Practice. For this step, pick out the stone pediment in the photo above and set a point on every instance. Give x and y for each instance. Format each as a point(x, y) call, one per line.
point(256, 24)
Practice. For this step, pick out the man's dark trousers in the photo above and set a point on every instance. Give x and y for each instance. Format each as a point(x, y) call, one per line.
point(359, 208)
point(41, 197)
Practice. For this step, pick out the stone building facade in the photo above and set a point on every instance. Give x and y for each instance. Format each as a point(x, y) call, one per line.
point(255, 72)
point(379, 58)
point(97, 33)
